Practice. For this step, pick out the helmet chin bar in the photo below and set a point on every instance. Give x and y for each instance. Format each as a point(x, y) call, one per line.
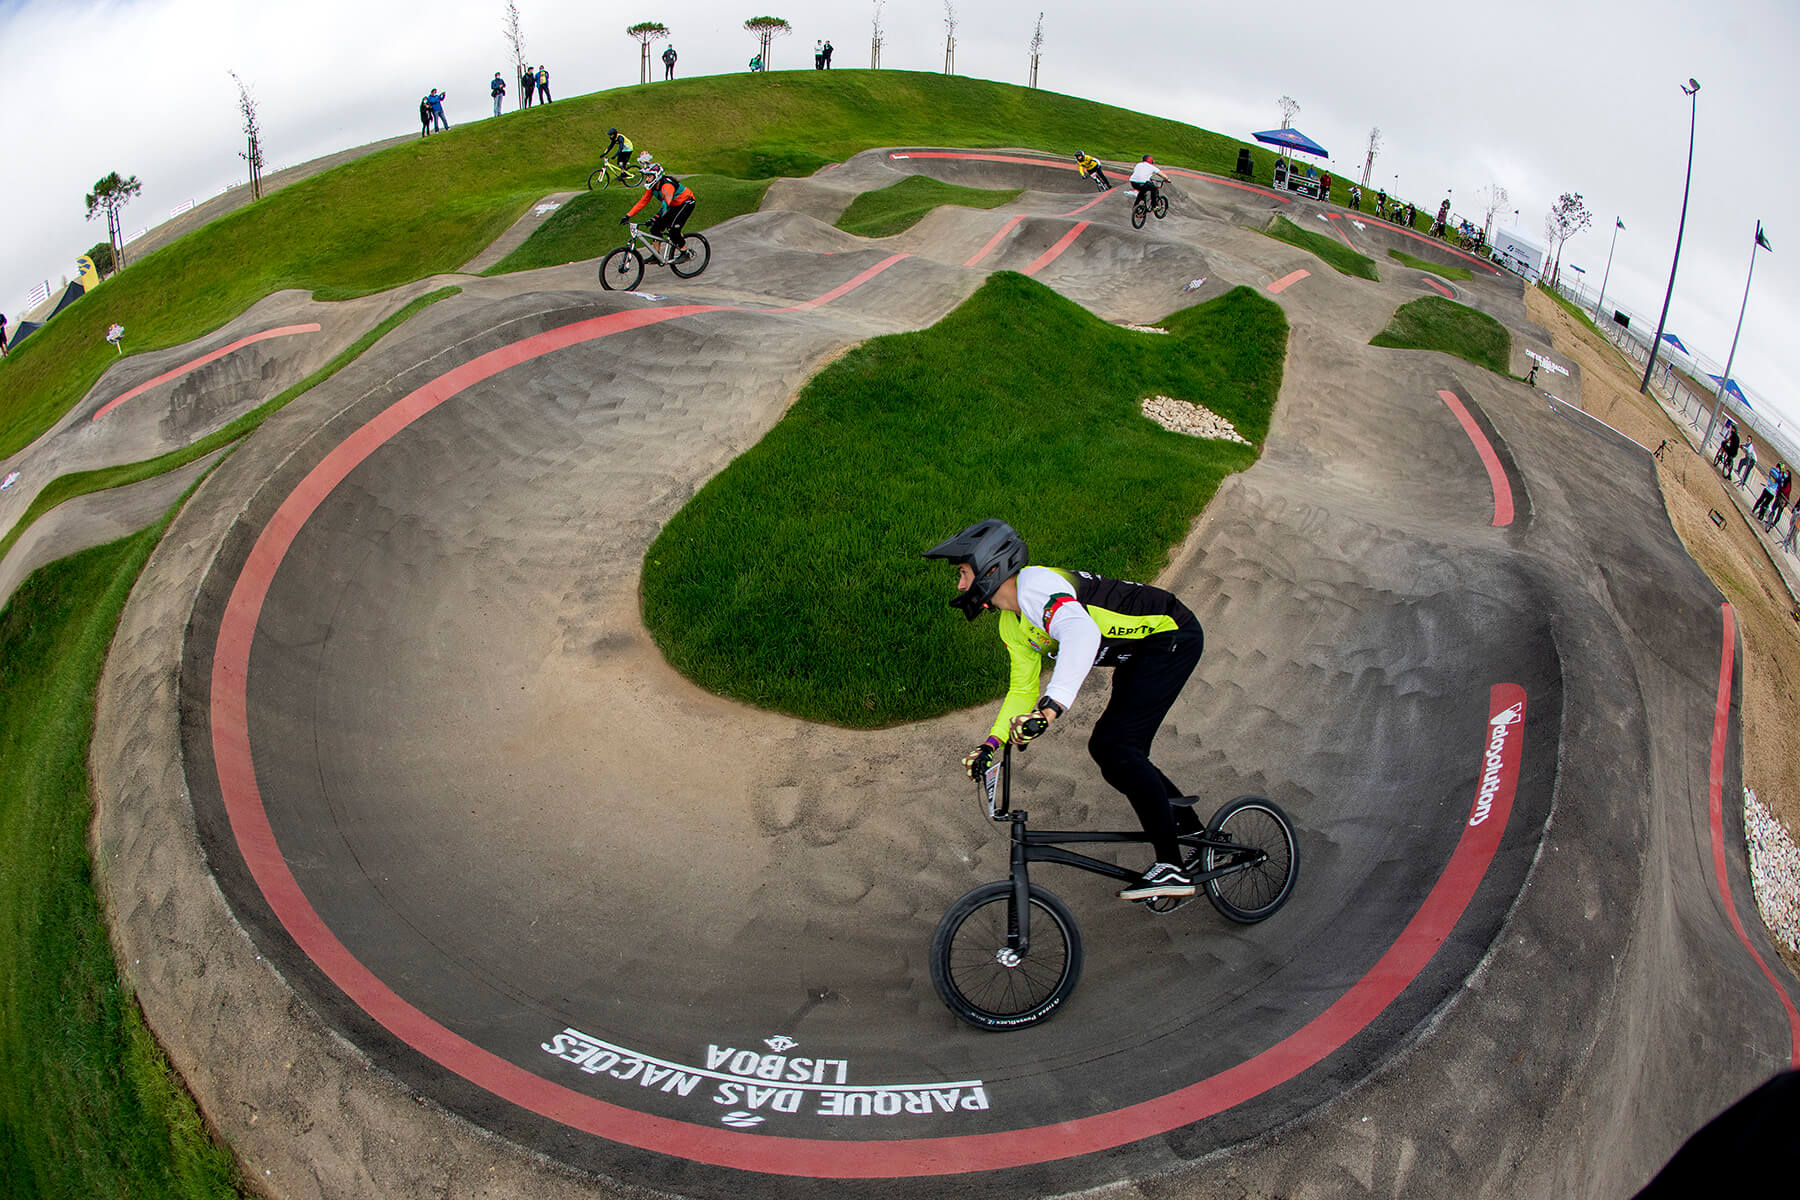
point(972, 606)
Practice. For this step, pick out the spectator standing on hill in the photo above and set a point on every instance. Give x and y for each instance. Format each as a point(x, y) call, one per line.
point(527, 86)
point(819, 56)
point(668, 57)
point(437, 109)
point(1324, 185)
point(828, 54)
point(3, 349)
point(1381, 203)
point(1746, 465)
point(498, 88)
point(1356, 197)
point(756, 62)
point(424, 116)
point(543, 84)
point(1782, 491)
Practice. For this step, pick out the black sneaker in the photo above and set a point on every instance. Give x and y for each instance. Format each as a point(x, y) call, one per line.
point(1161, 879)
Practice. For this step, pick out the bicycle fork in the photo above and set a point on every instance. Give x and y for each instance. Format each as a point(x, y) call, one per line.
point(1018, 912)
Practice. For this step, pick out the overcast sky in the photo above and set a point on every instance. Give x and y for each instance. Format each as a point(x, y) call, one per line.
point(1539, 96)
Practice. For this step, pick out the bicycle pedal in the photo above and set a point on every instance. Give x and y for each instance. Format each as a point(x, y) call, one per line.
point(1162, 906)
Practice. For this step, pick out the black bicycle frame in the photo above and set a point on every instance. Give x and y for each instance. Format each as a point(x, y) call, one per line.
point(1045, 846)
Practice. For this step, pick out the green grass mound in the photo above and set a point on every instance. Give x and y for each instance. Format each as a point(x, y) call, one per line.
point(1459, 274)
point(588, 225)
point(898, 208)
point(1341, 257)
point(793, 580)
point(429, 205)
point(88, 1104)
point(1433, 323)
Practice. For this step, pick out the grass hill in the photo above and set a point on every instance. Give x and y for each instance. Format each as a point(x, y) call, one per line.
point(429, 206)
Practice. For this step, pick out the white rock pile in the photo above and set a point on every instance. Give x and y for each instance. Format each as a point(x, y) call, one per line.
point(1179, 416)
point(1774, 871)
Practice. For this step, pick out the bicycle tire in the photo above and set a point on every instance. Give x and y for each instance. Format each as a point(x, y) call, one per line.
point(622, 270)
point(1256, 892)
point(1139, 211)
point(632, 176)
point(702, 255)
point(982, 991)
point(1162, 207)
point(599, 174)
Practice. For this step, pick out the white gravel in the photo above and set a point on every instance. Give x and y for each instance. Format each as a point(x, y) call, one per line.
point(1774, 871)
point(1179, 416)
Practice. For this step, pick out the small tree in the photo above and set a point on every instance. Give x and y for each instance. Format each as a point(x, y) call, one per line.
point(875, 37)
point(646, 32)
point(1494, 199)
point(767, 29)
point(1289, 106)
point(252, 153)
point(1037, 48)
point(1369, 159)
point(949, 37)
point(101, 253)
point(515, 41)
point(1568, 217)
point(110, 196)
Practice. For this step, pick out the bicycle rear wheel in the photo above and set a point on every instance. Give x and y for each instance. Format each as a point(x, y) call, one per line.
point(689, 267)
point(622, 270)
point(977, 977)
point(632, 176)
point(1139, 211)
point(1270, 856)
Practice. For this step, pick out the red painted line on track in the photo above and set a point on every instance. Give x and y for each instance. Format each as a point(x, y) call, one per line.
point(1287, 281)
point(1081, 208)
point(1432, 283)
point(1715, 804)
point(988, 249)
point(1324, 1035)
point(835, 292)
point(183, 369)
point(1503, 498)
point(1053, 253)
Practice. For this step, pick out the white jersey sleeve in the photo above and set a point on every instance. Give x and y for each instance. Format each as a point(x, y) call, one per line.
point(1047, 603)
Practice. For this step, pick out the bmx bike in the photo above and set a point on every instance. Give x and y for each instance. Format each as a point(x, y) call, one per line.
point(1008, 953)
point(623, 269)
point(610, 172)
point(1142, 208)
point(1097, 177)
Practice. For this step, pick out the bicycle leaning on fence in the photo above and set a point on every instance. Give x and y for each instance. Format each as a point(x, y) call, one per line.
point(1007, 954)
point(623, 269)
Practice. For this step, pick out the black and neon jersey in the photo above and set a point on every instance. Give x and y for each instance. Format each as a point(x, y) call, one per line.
point(1082, 621)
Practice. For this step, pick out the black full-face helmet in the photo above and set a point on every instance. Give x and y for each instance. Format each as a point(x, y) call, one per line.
point(994, 551)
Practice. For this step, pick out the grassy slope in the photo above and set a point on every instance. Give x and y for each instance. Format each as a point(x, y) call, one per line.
point(1433, 323)
point(1459, 274)
point(430, 205)
point(891, 210)
point(88, 1105)
point(1341, 258)
point(815, 532)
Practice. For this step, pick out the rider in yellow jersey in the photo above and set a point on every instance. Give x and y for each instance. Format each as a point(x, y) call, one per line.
point(618, 146)
point(1148, 636)
point(1090, 168)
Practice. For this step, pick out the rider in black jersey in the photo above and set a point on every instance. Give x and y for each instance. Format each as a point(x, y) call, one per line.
point(1148, 636)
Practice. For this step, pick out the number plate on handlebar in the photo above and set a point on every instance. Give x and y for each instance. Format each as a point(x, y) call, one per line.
point(990, 787)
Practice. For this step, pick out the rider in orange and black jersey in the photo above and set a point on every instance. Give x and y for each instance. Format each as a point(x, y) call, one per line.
point(676, 200)
point(1147, 635)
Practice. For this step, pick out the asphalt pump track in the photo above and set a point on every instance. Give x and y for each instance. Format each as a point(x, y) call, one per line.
point(434, 879)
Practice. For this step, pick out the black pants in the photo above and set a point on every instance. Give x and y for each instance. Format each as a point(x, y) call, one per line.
point(1144, 689)
point(671, 220)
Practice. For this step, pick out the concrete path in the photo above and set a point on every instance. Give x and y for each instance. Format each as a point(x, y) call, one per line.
point(435, 880)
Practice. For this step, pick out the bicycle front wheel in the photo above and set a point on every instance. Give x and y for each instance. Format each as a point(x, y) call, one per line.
point(1139, 211)
point(700, 253)
point(598, 178)
point(1162, 207)
point(983, 982)
point(1266, 855)
point(622, 270)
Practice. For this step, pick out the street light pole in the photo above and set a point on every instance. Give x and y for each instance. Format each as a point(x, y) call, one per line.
point(1607, 274)
point(1692, 89)
point(1761, 243)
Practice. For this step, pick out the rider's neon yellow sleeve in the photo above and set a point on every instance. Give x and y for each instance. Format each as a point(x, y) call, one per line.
point(1027, 665)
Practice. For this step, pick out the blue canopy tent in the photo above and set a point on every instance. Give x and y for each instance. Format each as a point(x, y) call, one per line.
point(1734, 391)
point(1676, 342)
point(1291, 139)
